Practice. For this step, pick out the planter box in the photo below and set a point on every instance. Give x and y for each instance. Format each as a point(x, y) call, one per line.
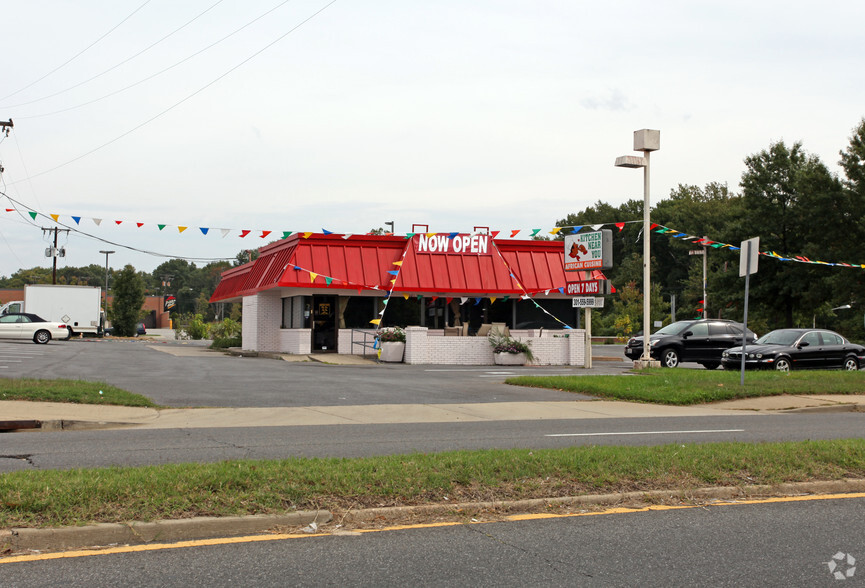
point(392, 351)
point(510, 358)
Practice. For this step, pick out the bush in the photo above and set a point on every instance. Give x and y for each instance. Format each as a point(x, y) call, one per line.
point(227, 329)
point(225, 343)
point(505, 344)
point(394, 335)
point(191, 327)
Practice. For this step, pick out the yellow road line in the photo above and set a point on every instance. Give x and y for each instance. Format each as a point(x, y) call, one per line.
point(511, 518)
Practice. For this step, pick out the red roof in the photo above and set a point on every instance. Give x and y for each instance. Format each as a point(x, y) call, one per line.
point(369, 262)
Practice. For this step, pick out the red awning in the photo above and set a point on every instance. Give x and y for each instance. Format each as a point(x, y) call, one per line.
point(370, 262)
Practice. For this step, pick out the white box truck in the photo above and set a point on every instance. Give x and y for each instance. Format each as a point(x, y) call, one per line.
point(80, 307)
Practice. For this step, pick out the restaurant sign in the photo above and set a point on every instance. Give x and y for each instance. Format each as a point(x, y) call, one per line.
point(454, 244)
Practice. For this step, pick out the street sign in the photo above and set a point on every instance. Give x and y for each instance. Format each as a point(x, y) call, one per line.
point(587, 287)
point(589, 302)
point(592, 250)
point(749, 253)
point(697, 252)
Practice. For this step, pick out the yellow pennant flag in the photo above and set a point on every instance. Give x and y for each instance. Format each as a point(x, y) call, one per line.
point(306, 235)
point(555, 231)
point(55, 217)
point(181, 229)
point(397, 263)
point(312, 276)
point(405, 296)
point(375, 321)
point(492, 299)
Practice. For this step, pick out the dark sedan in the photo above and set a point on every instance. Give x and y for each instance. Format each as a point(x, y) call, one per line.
point(801, 349)
point(700, 341)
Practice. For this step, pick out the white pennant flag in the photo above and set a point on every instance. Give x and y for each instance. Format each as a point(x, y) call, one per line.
point(98, 221)
point(225, 232)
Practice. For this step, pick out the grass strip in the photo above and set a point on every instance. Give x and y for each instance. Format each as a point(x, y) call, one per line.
point(75, 497)
point(74, 391)
point(681, 387)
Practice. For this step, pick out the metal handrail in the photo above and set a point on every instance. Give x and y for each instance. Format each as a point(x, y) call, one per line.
point(368, 340)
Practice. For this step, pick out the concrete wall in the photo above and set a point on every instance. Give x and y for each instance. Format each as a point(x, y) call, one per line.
point(262, 315)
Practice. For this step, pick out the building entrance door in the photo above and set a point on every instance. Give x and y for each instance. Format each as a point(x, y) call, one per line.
point(324, 323)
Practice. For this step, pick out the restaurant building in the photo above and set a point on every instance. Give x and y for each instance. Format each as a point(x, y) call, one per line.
point(324, 292)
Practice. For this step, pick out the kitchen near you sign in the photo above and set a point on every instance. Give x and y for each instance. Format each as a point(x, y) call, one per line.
point(585, 251)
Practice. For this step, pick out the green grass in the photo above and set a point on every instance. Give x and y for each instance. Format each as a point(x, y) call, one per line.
point(74, 391)
point(73, 497)
point(680, 386)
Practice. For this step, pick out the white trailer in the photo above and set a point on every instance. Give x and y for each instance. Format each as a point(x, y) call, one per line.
point(80, 307)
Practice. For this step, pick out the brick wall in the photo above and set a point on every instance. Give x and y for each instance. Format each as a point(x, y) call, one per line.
point(297, 341)
point(262, 315)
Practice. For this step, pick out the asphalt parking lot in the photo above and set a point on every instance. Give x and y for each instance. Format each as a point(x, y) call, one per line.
point(186, 374)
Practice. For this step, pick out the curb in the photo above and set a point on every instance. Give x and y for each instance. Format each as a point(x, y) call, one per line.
point(133, 533)
point(64, 538)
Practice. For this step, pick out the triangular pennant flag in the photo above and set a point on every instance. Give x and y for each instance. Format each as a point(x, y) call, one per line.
point(346, 235)
point(285, 234)
point(265, 234)
point(578, 228)
point(620, 226)
point(505, 298)
point(297, 268)
point(326, 232)
point(328, 280)
point(397, 263)
point(139, 225)
point(597, 227)
point(430, 235)
point(524, 297)
point(463, 299)
point(161, 226)
point(117, 222)
point(384, 301)
point(203, 230)
point(12, 210)
point(562, 290)
point(652, 226)
point(244, 233)
point(393, 272)
point(492, 299)
point(77, 219)
point(360, 290)
point(477, 301)
point(181, 229)
point(420, 296)
point(495, 234)
point(514, 233)
point(546, 292)
point(452, 235)
point(535, 232)
point(96, 221)
point(307, 235)
point(405, 296)
point(224, 232)
point(55, 217)
point(32, 214)
point(375, 321)
point(555, 230)
point(312, 276)
point(448, 300)
point(410, 235)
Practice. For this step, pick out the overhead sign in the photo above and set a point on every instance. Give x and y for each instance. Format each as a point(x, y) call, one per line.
point(748, 256)
point(585, 251)
point(587, 287)
point(454, 244)
point(590, 302)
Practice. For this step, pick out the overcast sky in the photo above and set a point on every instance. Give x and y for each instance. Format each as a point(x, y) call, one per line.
point(345, 115)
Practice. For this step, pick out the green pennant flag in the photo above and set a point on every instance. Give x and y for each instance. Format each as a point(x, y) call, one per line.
point(285, 234)
point(535, 232)
point(32, 215)
point(161, 226)
point(505, 298)
point(328, 281)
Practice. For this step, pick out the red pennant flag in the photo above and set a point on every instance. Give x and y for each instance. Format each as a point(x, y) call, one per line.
point(652, 226)
point(700, 302)
point(117, 222)
point(495, 234)
point(265, 234)
point(620, 226)
point(244, 233)
point(140, 225)
point(514, 233)
point(448, 300)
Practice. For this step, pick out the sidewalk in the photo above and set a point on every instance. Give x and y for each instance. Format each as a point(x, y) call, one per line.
point(57, 416)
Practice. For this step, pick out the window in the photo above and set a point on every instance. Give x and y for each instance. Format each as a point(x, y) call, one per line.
point(699, 330)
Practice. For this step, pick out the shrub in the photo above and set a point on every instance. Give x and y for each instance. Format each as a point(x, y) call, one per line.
point(394, 335)
point(505, 344)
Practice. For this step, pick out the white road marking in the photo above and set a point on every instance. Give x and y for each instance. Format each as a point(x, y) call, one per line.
point(643, 433)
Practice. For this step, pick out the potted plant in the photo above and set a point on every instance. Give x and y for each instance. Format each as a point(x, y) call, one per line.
point(392, 342)
point(509, 351)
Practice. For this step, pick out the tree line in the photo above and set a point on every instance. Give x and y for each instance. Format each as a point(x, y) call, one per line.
point(792, 202)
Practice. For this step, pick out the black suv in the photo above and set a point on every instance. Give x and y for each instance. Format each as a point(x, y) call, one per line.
point(701, 341)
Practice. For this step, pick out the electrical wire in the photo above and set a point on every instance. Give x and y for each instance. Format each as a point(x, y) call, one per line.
point(113, 67)
point(190, 96)
point(159, 73)
point(77, 55)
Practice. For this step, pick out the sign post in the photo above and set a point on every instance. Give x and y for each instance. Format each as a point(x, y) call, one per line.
point(748, 256)
point(589, 251)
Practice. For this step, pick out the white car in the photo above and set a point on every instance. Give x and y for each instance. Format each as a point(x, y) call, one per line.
point(25, 325)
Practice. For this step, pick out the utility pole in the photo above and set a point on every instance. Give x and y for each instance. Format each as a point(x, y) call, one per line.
point(53, 251)
point(5, 126)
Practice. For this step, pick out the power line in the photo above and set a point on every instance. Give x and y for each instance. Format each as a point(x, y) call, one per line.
point(113, 67)
point(176, 104)
point(77, 55)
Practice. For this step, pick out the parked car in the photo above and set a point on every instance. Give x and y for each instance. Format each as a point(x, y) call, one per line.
point(701, 341)
point(140, 329)
point(26, 325)
point(803, 349)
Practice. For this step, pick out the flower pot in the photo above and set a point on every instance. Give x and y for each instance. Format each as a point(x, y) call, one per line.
point(392, 351)
point(510, 358)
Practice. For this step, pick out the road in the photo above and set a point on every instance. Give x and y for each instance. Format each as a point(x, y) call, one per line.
point(770, 544)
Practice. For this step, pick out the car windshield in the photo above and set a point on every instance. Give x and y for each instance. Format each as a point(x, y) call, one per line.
point(673, 328)
point(780, 337)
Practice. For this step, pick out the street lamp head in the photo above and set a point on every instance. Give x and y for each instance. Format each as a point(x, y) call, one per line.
point(106, 252)
point(630, 161)
point(647, 140)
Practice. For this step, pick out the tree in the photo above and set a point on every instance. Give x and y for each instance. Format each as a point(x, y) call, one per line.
point(128, 300)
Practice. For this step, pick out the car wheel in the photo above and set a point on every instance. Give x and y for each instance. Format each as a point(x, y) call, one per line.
point(782, 365)
point(42, 337)
point(71, 332)
point(851, 364)
point(711, 365)
point(669, 358)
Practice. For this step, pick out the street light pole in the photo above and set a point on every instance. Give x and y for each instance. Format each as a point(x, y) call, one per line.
point(645, 140)
point(107, 253)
